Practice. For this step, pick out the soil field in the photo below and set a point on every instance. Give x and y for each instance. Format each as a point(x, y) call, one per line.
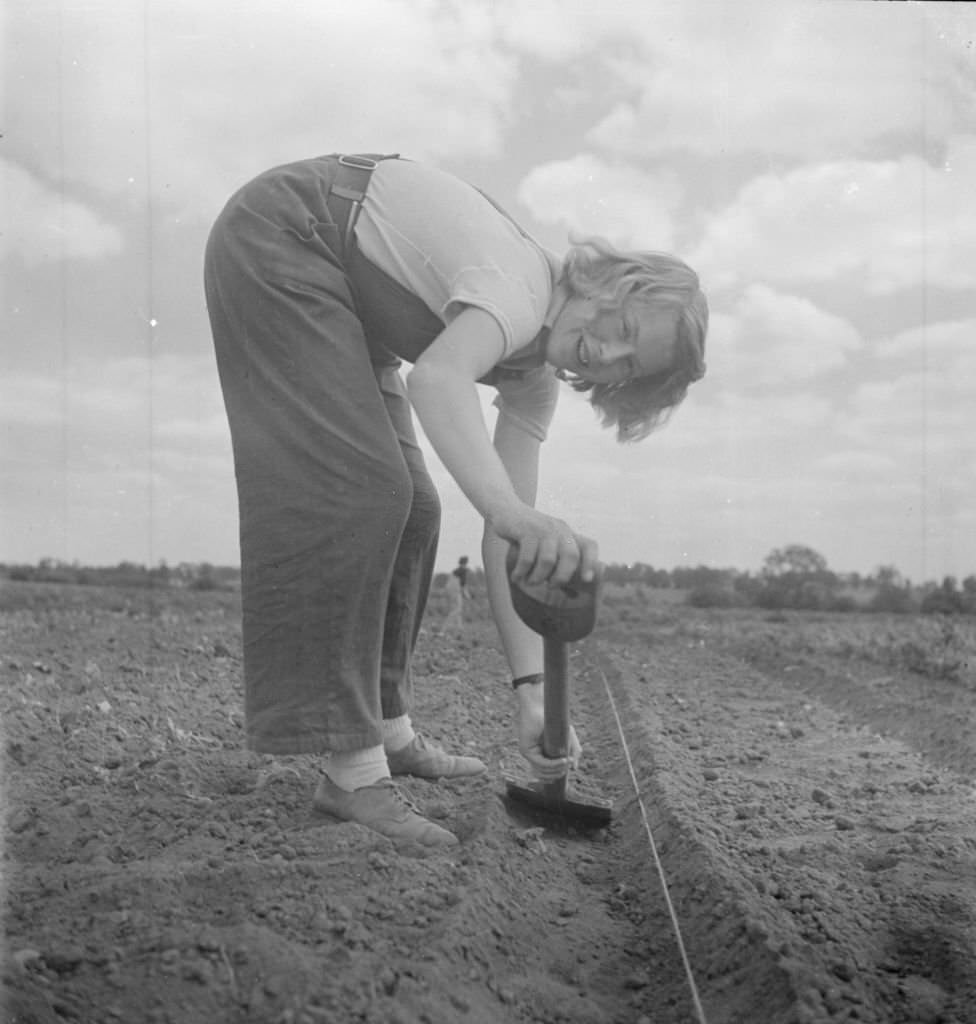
point(806, 784)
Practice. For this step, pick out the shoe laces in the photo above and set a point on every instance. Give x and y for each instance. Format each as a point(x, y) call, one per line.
point(402, 797)
point(422, 744)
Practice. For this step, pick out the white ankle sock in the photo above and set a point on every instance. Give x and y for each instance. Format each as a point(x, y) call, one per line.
point(353, 769)
point(397, 733)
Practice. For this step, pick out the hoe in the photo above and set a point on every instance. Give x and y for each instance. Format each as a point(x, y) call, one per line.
point(559, 614)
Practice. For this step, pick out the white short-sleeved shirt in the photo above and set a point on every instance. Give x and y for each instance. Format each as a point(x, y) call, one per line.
point(450, 246)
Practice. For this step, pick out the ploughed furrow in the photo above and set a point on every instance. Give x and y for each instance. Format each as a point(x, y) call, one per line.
point(736, 967)
point(818, 869)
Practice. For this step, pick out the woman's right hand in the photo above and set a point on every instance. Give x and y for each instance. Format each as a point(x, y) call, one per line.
point(549, 551)
point(531, 725)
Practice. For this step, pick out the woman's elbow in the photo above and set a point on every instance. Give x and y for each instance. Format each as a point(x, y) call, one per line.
point(424, 377)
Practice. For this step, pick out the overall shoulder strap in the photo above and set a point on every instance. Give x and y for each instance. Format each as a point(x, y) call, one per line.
point(351, 181)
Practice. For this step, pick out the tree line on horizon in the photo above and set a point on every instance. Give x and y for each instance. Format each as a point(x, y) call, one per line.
point(190, 575)
point(798, 577)
point(791, 577)
point(795, 577)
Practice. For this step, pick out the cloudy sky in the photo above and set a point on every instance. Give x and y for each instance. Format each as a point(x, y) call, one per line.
point(815, 162)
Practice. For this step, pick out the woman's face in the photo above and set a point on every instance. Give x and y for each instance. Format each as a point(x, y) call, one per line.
point(613, 346)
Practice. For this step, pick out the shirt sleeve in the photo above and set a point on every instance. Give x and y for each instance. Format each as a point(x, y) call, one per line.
point(529, 402)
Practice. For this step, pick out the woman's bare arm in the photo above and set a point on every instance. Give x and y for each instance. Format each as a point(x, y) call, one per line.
point(443, 391)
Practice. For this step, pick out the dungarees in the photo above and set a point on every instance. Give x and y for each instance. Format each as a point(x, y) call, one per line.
point(339, 518)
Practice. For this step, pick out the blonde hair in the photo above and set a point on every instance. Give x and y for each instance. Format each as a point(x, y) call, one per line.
point(594, 269)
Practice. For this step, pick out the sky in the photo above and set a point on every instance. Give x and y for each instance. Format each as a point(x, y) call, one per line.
point(814, 162)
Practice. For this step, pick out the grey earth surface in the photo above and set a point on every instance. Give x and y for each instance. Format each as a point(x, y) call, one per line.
point(799, 811)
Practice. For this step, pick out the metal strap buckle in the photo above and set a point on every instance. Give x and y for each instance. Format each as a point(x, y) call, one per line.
point(360, 163)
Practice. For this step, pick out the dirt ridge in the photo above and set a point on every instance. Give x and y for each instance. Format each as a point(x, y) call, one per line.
point(813, 818)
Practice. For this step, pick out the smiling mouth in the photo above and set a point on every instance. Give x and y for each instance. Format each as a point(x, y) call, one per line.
point(581, 356)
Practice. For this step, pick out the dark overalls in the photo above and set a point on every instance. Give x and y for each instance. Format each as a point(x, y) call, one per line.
point(339, 518)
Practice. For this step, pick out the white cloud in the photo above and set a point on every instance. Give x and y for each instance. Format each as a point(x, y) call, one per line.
point(130, 456)
point(622, 203)
point(209, 427)
point(925, 396)
point(31, 399)
point(128, 404)
point(801, 80)
point(914, 413)
point(771, 340)
point(185, 101)
point(44, 224)
point(919, 416)
point(897, 223)
point(741, 418)
point(854, 465)
point(947, 350)
point(551, 29)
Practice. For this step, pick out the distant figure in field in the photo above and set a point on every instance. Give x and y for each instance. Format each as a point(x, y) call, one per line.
point(457, 592)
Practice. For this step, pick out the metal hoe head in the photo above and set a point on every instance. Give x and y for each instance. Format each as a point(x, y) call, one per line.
point(555, 799)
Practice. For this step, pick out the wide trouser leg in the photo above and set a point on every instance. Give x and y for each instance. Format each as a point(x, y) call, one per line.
point(414, 566)
point(325, 490)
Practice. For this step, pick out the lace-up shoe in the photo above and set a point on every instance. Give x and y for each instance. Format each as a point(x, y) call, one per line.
point(386, 809)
